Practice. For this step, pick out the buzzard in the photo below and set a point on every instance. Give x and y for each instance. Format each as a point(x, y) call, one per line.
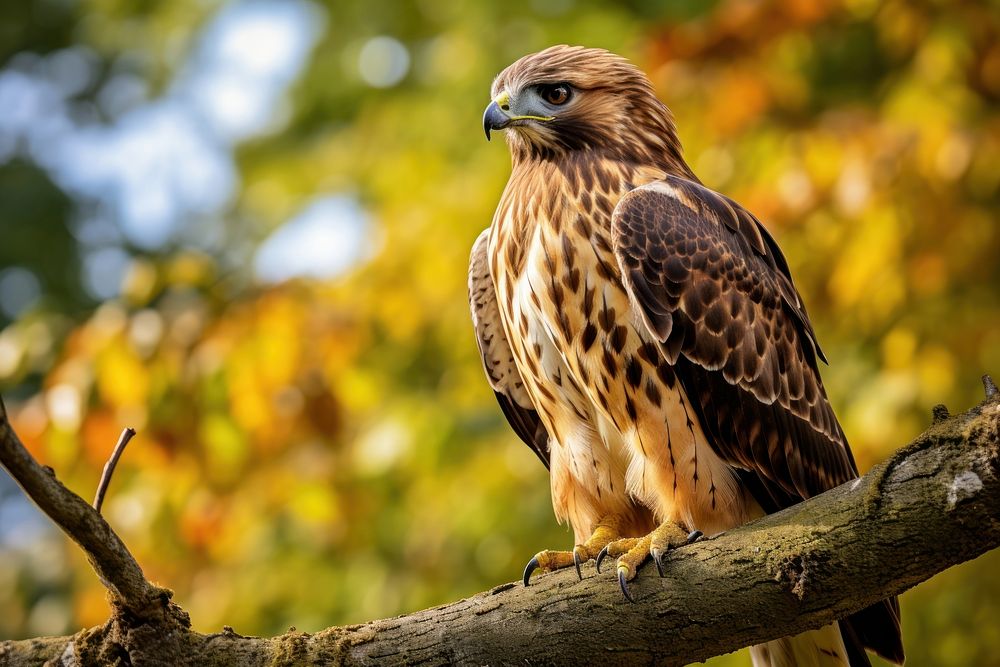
point(643, 336)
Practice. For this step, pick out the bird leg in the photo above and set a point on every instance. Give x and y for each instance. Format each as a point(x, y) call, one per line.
point(608, 529)
point(633, 551)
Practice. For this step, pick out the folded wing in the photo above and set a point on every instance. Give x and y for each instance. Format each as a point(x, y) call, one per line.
point(498, 360)
point(712, 286)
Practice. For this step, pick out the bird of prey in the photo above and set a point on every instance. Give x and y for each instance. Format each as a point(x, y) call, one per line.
point(643, 336)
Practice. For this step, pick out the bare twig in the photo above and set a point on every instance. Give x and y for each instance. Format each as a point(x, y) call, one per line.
point(989, 386)
point(109, 467)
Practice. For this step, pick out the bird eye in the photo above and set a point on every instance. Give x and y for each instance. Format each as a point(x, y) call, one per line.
point(556, 94)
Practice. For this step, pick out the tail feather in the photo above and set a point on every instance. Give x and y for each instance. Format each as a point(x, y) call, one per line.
point(815, 648)
point(855, 647)
point(841, 644)
point(877, 629)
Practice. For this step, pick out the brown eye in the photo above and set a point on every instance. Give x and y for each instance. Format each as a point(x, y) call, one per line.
point(555, 94)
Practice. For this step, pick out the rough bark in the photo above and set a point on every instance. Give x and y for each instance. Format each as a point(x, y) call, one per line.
point(934, 504)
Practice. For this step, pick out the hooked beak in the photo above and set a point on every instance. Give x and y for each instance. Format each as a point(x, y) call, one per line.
point(497, 116)
point(494, 119)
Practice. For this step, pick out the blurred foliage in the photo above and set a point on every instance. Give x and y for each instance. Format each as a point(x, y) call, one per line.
point(319, 452)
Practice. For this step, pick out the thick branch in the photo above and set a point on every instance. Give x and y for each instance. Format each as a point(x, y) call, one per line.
point(935, 504)
point(107, 554)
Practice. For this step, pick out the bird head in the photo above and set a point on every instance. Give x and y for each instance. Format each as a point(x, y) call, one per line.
point(570, 98)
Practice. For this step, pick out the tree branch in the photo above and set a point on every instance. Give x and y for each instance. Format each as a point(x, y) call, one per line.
point(107, 554)
point(934, 504)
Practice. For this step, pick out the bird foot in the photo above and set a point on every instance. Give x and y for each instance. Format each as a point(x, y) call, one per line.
point(632, 552)
point(548, 561)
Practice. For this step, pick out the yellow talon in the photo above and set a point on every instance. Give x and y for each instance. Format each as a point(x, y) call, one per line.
point(606, 531)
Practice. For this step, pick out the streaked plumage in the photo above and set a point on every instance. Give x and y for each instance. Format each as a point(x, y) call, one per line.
point(642, 332)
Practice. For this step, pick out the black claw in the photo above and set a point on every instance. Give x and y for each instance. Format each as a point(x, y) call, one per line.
point(693, 536)
point(529, 568)
point(655, 553)
point(576, 562)
point(624, 585)
point(600, 558)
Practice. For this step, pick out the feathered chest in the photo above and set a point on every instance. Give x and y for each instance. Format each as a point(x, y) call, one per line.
point(562, 274)
point(572, 328)
point(547, 208)
point(551, 255)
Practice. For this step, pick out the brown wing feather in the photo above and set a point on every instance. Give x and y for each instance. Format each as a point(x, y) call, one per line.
point(714, 288)
point(498, 360)
point(711, 284)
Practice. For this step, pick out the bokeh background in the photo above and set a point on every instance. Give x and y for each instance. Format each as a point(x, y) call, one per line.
point(243, 227)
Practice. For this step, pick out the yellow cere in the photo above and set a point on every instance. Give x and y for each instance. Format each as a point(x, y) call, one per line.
point(503, 100)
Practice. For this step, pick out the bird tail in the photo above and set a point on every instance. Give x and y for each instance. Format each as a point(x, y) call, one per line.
point(816, 648)
point(839, 644)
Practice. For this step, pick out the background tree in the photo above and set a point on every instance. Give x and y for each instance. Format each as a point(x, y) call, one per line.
point(243, 229)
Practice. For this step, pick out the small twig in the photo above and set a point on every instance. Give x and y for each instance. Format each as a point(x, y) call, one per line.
point(989, 386)
point(109, 467)
point(940, 413)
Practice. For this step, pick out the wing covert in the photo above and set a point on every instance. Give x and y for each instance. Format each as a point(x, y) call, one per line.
point(712, 286)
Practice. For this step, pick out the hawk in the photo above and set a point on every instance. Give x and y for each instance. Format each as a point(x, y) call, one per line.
point(643, 336)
